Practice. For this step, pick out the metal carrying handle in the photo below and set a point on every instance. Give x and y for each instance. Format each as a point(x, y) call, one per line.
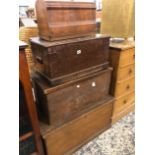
point(39, 60)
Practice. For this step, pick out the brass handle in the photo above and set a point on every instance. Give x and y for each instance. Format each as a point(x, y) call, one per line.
point(39, 60)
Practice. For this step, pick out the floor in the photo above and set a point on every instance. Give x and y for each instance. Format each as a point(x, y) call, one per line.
point(118, 140)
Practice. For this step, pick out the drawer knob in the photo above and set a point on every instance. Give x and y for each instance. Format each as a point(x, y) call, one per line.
point(125, 101)
point(78, 86)
point(128, 87)
point(78, 52)
point(93, 84)
point(134, 56)
point(130, 71)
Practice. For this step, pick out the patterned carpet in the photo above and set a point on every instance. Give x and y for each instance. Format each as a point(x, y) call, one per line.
point(118, 140)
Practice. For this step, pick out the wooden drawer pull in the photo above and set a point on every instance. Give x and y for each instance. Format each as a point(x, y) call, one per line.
point(134, 56)
point(128, 87)
point(125, 101)
point(130, 71)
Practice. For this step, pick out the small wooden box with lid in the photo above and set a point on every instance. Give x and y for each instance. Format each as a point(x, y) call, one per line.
point(122, 59)
point(65, 19)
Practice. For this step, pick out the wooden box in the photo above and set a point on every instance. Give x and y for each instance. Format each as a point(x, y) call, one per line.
point(69, 137)
point(61, 61)
point(65, 102)
point(60, 20)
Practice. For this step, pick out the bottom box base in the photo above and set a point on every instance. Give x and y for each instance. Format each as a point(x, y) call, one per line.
point(116, 118)
point(71, 136)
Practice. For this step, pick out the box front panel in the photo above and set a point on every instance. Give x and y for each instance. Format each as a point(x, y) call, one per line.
point(68, 102)
point(73, 57)
point(76, 133)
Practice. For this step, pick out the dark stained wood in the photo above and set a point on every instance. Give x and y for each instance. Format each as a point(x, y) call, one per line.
point(25, 81)
point(65, 102)
point(56, 60)
point(73, 76)
point(60, 20)
point(71, 136)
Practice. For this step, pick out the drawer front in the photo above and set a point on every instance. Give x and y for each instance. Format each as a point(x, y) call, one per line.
point(78, 132)
point(125, 72)
point(123, 102)
point(68, 58)
point(127, 57)
point(68, 102)
point(124, 87)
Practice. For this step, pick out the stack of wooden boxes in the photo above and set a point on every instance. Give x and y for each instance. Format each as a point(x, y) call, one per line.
point(72, 75)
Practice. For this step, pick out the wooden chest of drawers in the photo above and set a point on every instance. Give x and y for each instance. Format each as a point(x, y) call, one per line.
point(69, 137)
point(122, 59)
point(61, 61)
point(61, 20)
point(65, 102)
